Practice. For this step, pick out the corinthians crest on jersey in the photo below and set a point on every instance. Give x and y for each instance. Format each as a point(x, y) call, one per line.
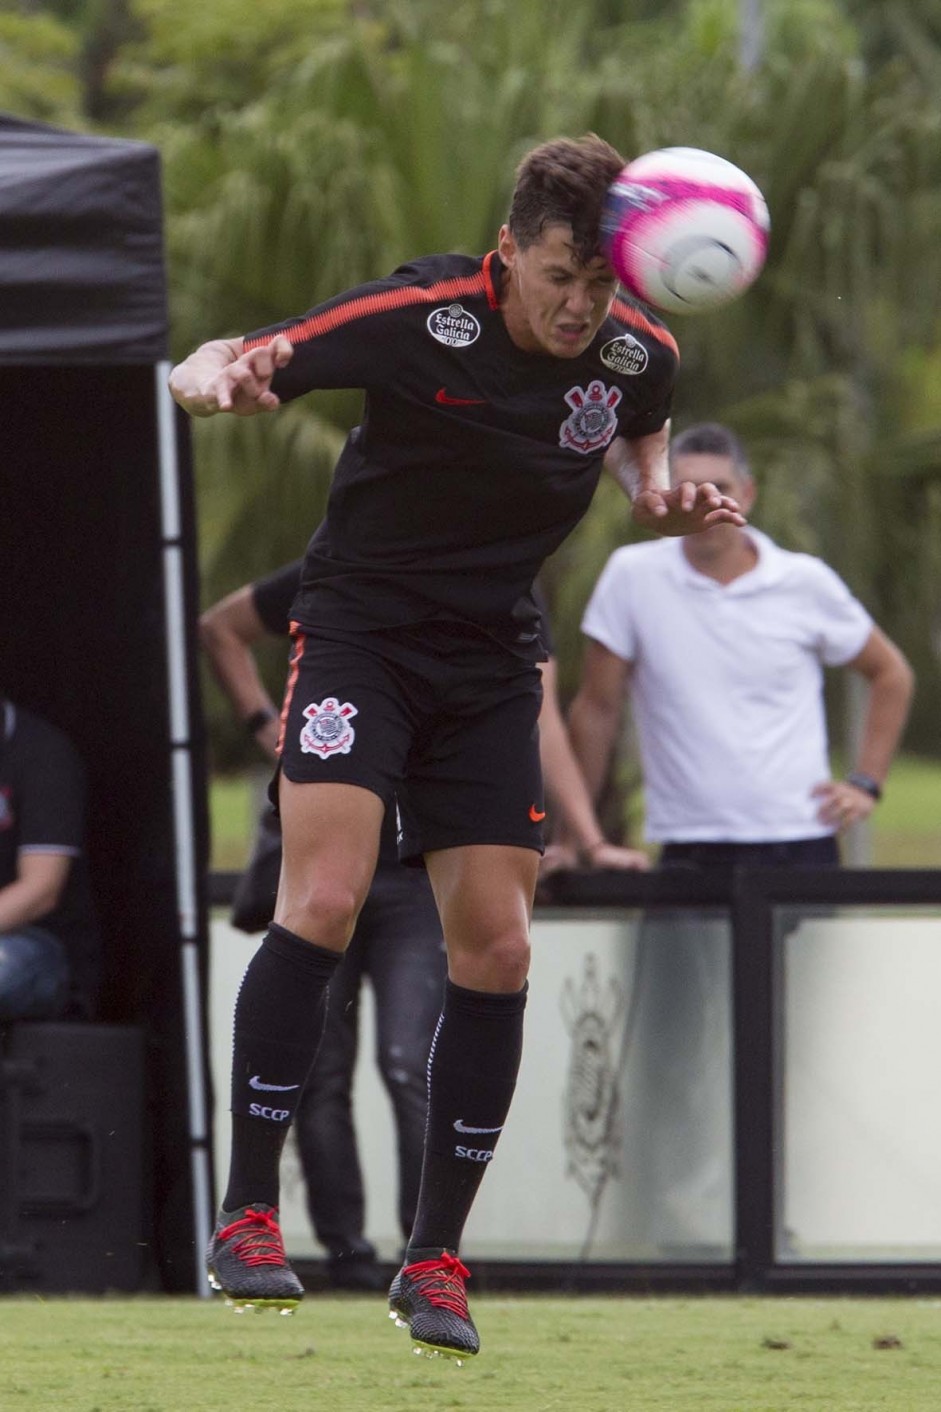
point(328, 730)
point(592, 422)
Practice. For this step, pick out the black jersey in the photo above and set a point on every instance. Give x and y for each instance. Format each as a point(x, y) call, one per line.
point(273, 597)
point(545, 628)
point(474, 458)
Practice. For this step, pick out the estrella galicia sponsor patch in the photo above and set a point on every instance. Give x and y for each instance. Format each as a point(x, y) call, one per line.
point(328, 730)
point(453, 326)
point(592, 422)
point(625, 355)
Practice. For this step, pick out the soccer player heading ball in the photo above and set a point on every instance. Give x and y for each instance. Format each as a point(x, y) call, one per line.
point(496, 389)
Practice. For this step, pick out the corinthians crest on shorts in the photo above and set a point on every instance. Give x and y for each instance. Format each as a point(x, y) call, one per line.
point(328, 730)
point(592, 422)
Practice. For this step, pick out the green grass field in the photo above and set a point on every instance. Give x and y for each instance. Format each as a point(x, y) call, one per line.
point(905, 829)
point(540, 1354)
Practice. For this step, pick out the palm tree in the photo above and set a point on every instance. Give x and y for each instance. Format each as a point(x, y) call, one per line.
point(382, 143)
point(38, 68)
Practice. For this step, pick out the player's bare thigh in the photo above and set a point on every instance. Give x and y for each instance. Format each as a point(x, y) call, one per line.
point(484, 893)
point(330, 845)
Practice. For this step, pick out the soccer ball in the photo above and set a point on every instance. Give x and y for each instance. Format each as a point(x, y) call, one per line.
point(684, 230)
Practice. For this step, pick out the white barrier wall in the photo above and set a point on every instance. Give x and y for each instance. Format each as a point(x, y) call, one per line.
point(862, 1137)
point(591, 1165)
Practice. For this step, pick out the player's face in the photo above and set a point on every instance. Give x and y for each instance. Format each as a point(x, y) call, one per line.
point(552, 303)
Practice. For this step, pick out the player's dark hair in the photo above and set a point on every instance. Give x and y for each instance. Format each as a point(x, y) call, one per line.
point(564, 182)
point(711, 439)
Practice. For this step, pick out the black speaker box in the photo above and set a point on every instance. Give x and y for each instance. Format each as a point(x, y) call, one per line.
point(71, 1158)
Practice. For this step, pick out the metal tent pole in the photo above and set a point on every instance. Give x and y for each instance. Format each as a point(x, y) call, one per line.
point(182, 772)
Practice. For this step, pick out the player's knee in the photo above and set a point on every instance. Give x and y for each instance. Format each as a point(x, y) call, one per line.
point(322, 910)
point(512, 961)
point(501, 964)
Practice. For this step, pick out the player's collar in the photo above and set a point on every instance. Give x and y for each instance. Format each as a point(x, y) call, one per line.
point(493, 272)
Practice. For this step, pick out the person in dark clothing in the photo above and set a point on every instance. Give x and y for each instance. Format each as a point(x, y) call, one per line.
point(50, 947)
point(397, 944)
point(497, 389)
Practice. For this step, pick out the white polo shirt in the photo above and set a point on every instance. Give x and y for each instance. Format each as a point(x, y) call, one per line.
point(728, 685)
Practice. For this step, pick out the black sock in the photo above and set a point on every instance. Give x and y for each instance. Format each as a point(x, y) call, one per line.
point(472, 1072)
point(279, 1017)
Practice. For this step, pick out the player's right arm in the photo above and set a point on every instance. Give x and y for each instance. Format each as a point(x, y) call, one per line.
point(220, 376)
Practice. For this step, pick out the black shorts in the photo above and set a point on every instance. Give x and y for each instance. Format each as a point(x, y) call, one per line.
point(439, 719)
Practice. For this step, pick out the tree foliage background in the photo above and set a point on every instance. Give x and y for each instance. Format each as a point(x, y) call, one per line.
point(310, 144)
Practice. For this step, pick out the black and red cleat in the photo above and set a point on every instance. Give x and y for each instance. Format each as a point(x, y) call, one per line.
point(428, 1299)
point(246, 1261)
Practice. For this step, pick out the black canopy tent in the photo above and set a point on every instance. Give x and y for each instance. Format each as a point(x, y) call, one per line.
point(98, 602)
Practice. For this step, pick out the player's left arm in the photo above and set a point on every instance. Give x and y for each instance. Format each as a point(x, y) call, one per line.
point(891, 684)
point(641, 467)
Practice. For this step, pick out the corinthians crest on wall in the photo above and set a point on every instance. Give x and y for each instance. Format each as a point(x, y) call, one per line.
point(592, 1012)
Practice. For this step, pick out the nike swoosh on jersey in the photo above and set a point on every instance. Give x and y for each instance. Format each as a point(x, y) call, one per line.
point(537, 815)
point(441, 397)
point(461, 1127)
point(255, 1082)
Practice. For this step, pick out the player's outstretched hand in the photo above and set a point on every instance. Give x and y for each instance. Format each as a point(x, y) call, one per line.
point(686, 509)
point(219, 377)
point(244, 387)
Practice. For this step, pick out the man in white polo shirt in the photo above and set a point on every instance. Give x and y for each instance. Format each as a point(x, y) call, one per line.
point(721, 640)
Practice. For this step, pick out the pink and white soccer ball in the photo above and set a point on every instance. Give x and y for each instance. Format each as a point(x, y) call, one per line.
point(685, 230)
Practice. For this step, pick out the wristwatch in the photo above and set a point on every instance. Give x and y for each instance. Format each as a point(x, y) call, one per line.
point(865, 782)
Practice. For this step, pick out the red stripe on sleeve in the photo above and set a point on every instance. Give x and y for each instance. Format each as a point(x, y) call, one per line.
point(366, 305)
point(628, 314)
